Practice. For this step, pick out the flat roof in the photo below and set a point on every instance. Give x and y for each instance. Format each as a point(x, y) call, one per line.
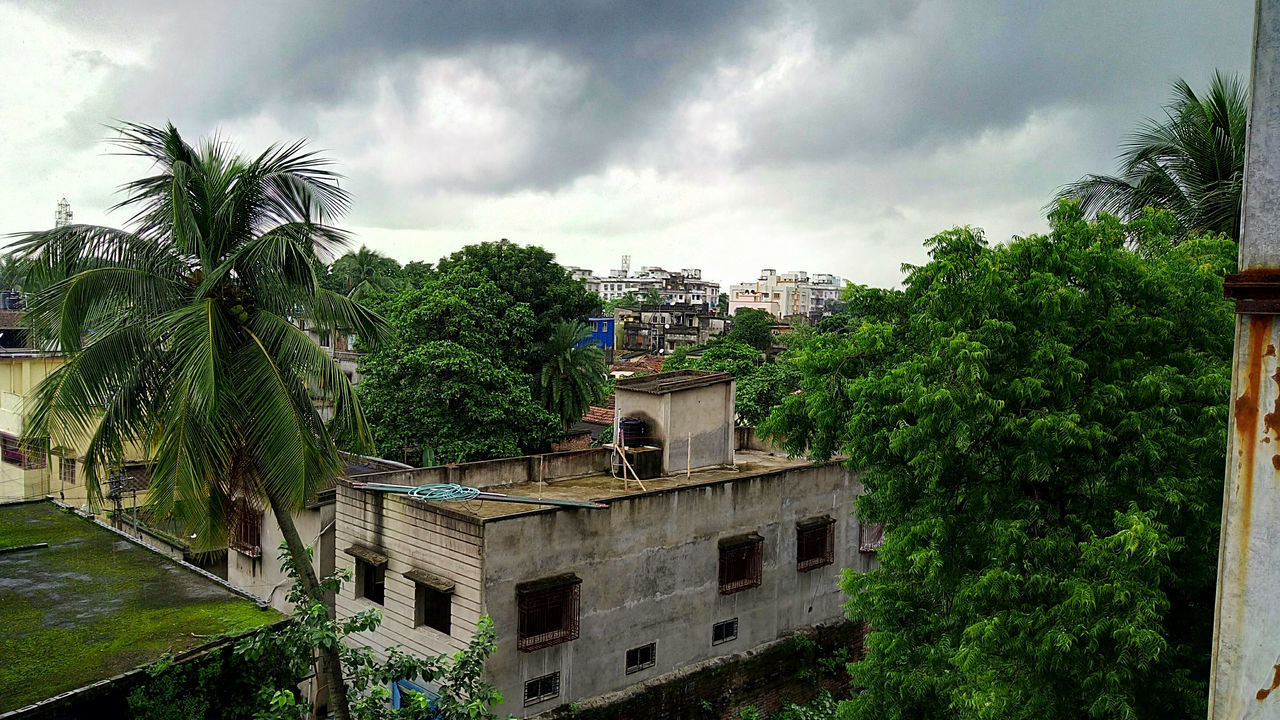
point(667, 382)
point(604, 487)
point(93, 604)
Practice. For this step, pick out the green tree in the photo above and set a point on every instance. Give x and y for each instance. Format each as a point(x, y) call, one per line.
point(1041, 426)
point(753, 327)
point(652, 296)
point(528, 275)
point(356, 273)
point(1190, 163)
point(449, 381)
point(574, 376)
point(179, 337)
point(722, 303)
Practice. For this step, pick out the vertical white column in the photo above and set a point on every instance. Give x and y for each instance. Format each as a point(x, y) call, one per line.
point(1245, 681)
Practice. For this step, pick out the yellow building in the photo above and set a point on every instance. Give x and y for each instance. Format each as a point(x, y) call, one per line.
point(36, 470)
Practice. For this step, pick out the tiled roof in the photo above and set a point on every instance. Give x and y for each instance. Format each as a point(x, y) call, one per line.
point(600, 415)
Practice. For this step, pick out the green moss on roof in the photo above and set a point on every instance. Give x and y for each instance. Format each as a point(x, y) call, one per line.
point(93, 605)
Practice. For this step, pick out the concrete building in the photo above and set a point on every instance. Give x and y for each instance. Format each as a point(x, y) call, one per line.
point(720, 547)
point(787, 295)
point(663, 328)
point(35, 470)
point(685, 286)
point(254, 540)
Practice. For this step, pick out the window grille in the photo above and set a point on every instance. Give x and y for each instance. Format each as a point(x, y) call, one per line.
point(870, 537)
point(541, 688)
point(723, 632)
point(642, 657)
point(67, 471)
point(548, 612)
point(740, 563)
point(246, 529)
point(815, 543)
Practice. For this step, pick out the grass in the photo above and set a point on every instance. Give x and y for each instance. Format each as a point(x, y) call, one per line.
point(93, 605)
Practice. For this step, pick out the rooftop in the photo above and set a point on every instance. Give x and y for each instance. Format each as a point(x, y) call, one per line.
point(604, 487)
point(673, 381)
point(93, 604)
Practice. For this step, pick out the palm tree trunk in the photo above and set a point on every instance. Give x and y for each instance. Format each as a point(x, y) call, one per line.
point(330, 670)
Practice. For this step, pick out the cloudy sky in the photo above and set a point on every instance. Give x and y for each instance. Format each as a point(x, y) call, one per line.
point(832, 136)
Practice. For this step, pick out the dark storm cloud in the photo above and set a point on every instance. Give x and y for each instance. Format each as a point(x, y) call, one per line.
point(940, 72)
point(216, 61)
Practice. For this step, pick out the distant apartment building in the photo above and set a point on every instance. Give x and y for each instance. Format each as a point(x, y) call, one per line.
point(663, 328)
point(787, 295)
point(720, 548)
point(34, 469)
point(674, 287)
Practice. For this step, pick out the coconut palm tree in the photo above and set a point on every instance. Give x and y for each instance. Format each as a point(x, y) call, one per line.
point(365, 270)
point(180, 337)
point(573, 376)
point(1191, 162)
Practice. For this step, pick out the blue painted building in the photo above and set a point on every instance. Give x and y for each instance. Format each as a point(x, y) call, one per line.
point(601, 333)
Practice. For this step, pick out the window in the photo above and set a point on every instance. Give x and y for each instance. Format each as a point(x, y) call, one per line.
point(642, 657)
point(372, 580)
point(723, 632)
point(740, 560)
point(324, 339)
point(870, 537)
point(433, 600)
point(371, 573)
point(67, 471)
point(815, 543)
point(548, 612)
point(542, 688)
point(28, 456)
point(246, 529)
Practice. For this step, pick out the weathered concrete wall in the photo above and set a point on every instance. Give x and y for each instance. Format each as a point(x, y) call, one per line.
point(653, 409)
point(414, 536)
point(720, 689)
point(649, 570)
point(262, 576)
point(703, 416)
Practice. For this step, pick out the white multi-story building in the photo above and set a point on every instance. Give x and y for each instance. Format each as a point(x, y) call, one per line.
point(684, 286)
point(787, 294)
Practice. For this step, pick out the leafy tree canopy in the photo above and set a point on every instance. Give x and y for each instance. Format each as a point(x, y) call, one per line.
point(753, 327)
point(358, 272)
point(760, 386)
point(531, 276)
point(450, 382)
point(1190, 163)
point(1041, 427)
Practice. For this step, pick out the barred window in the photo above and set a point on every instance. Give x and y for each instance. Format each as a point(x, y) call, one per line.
point(67, 471)
point(723, 632)
point(246, 529)
point(541, 688)
point(642, 657)
point(870, 537)
point(815, 543)
point(740, 562)
point(548, 612)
